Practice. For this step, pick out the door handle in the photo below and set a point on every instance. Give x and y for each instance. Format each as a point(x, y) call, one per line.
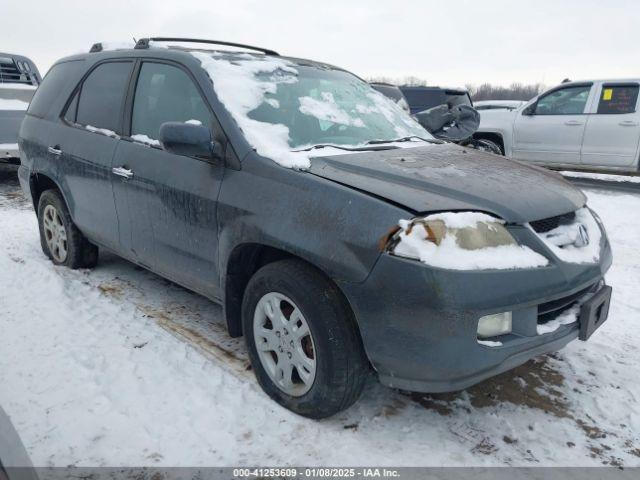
point(573, 123)
point(628, 123)
point(55, 150)
point(122, 172)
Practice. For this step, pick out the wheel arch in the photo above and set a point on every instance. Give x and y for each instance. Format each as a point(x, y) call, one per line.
point(495, 137)
point(39, 183)
point(246, 259)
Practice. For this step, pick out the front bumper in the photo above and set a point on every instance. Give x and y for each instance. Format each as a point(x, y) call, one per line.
point(419, 323)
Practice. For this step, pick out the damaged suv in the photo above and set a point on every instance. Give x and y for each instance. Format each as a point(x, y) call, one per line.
point(338, 235)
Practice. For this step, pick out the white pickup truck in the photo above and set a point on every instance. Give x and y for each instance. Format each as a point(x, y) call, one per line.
point(591, 124)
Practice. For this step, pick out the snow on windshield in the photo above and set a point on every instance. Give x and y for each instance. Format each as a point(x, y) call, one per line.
point(327, 109)
point(284, 108)
point(237, 87)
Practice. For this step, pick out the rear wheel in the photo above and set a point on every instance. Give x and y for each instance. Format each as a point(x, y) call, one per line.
point(302, 340)
point(61, 240)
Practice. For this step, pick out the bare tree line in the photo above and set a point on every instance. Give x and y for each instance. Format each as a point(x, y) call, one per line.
point(485, 91)
point(515, 91)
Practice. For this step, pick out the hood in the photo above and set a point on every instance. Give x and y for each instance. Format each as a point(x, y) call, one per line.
point(449, 177)
point(497, 119)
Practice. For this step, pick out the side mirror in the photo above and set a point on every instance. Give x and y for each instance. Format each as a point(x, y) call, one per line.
point(188, 139)
point(530, 110)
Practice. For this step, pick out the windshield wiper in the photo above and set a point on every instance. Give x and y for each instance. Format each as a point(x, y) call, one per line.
point(404, 139)
point(350, 149)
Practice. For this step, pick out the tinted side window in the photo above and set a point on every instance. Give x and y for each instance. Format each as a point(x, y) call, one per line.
point(54, 82)
point(618, 98)
point(564, 101)
point(165, 93)
point(102, 95)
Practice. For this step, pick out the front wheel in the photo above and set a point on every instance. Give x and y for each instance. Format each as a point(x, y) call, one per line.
point(487, 146)
point(302, 339)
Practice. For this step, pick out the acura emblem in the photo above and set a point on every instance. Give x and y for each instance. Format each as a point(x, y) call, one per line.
point(582, 238)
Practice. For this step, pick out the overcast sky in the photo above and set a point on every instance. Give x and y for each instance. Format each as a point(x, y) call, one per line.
point(445, 42)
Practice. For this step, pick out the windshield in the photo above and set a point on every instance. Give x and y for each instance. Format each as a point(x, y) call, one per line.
point(332, 106)
point(283, 106)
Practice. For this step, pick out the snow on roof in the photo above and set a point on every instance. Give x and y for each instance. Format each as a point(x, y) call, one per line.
point(117, 45)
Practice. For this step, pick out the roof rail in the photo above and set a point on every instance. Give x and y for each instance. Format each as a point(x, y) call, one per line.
point(144, 43)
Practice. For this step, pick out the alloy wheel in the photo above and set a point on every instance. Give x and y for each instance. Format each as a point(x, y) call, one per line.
point(284, 344)
point(55, 233)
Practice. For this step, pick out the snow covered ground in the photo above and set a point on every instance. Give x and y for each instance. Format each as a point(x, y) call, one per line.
point(116, 366)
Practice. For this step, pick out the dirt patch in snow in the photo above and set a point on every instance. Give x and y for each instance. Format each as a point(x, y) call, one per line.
point(10, 193)
point(111, 289)
point(535, 384)
point(199, 341)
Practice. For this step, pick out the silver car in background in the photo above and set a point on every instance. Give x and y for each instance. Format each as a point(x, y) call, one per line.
point(19, 79)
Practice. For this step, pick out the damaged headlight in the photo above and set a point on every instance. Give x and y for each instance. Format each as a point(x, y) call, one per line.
point(461, 241)
point(469, 231)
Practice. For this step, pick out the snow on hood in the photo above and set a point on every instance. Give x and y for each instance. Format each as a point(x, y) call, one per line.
point(562, 240)
point(413, 244)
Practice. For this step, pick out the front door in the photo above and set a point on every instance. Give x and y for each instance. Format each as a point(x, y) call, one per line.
point(551, 130)
point(171, 200)
point(613, 129)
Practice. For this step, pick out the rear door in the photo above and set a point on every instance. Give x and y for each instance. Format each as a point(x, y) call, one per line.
point(551, 131)
point(170, 199)
point(85, 143)
point(613, 128)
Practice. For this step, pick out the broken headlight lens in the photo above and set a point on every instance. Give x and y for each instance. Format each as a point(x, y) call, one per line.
point(469, 231)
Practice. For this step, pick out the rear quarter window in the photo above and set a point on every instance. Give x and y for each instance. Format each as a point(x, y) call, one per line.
point(55, 82)
point(618, 99)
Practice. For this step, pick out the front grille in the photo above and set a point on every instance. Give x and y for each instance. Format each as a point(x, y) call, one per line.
point(9, 72)
point(550, 310)
point(548, 224)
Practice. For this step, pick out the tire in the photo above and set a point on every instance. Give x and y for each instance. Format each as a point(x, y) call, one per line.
point(489, 146)
point(63, 243)
point(340, 365)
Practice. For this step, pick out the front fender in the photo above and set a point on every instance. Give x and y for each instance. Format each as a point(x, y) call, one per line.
point(329, 225)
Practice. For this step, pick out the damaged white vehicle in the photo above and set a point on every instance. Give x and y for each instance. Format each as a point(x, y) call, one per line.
point(592, 124)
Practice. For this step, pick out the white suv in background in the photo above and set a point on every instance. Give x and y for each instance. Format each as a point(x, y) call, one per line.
point(590, 124)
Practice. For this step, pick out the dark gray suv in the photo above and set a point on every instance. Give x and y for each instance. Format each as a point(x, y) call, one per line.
point(339, 236)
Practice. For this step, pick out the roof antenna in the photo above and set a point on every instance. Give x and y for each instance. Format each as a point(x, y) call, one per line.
point(134, 40)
